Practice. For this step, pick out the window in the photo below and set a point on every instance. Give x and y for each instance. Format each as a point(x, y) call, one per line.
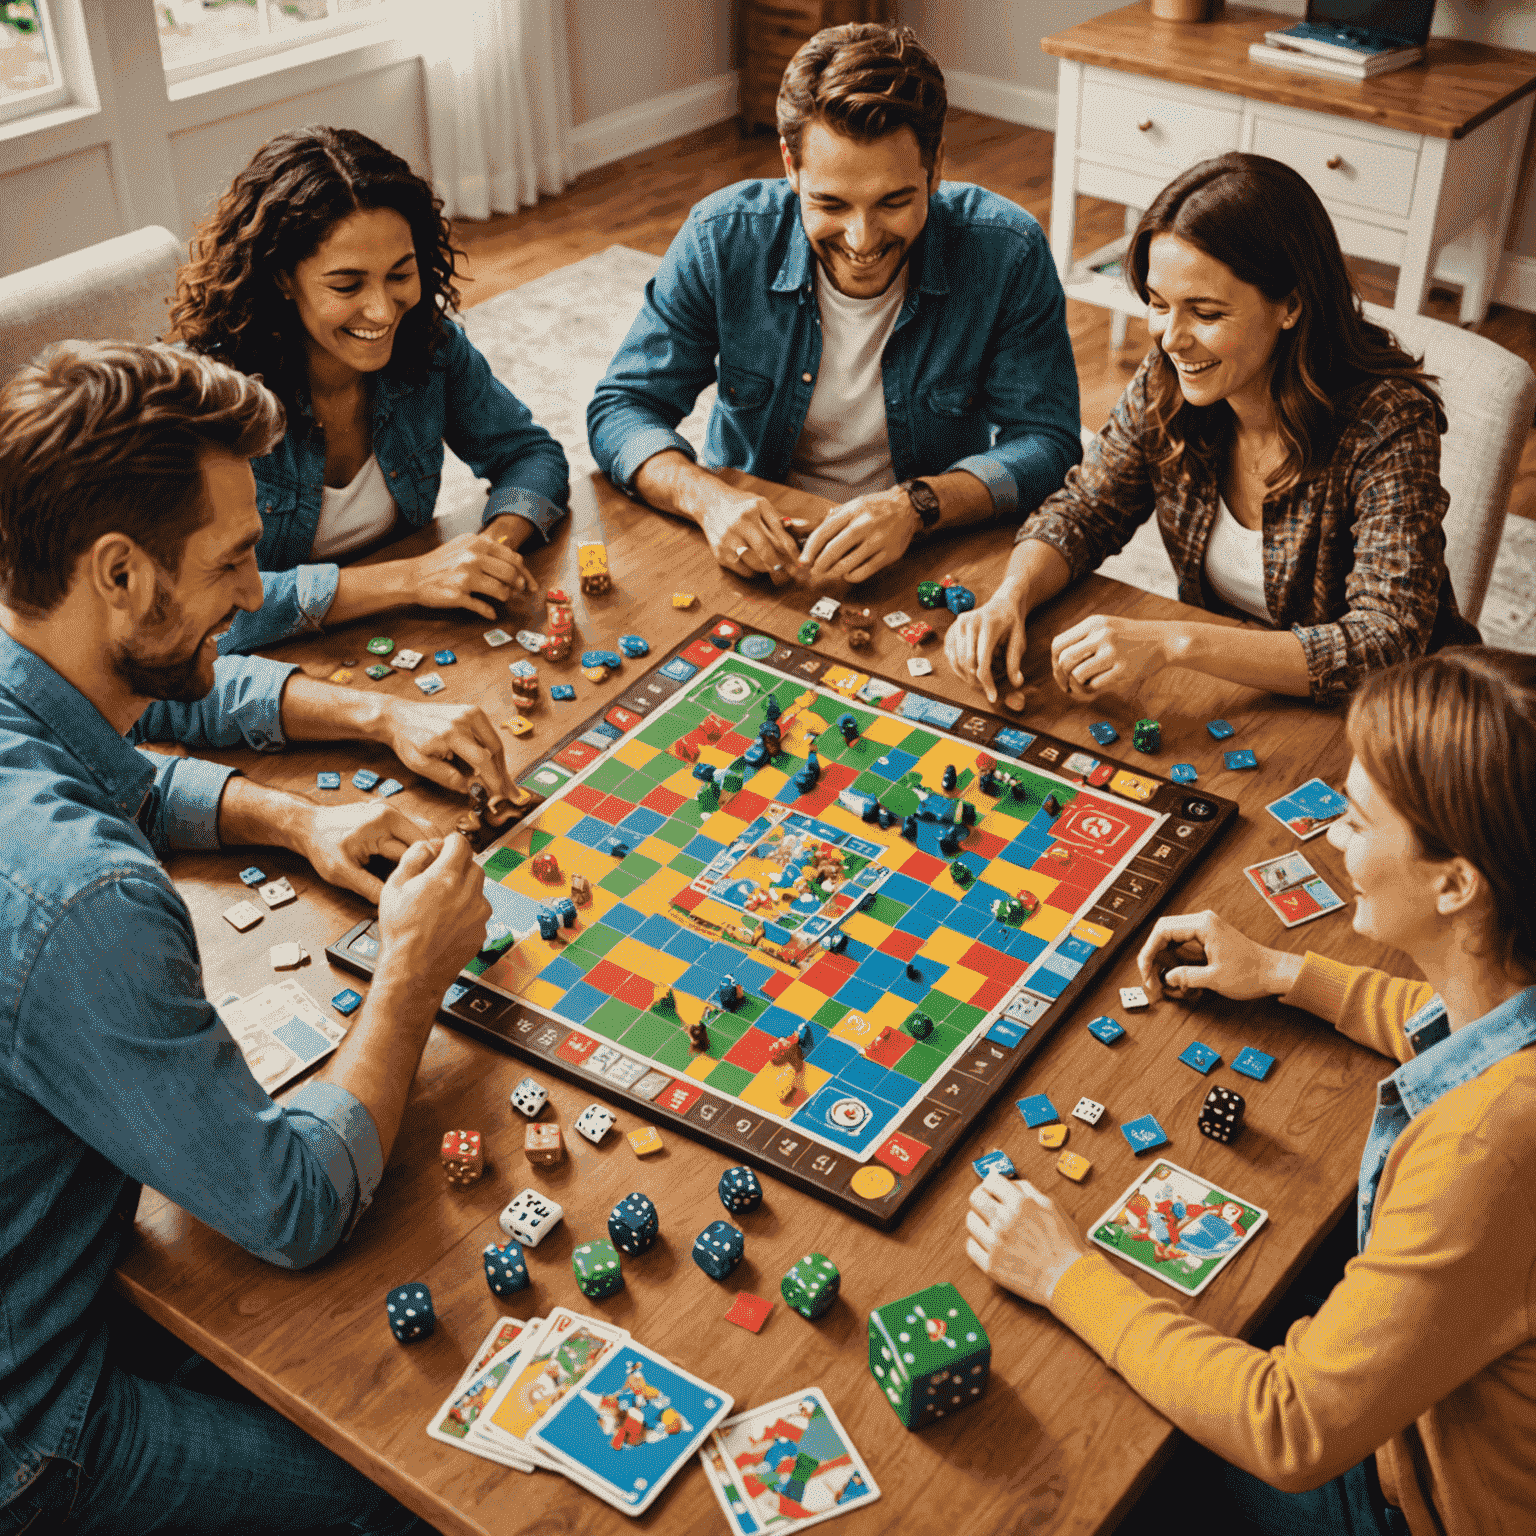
point(31, 79)
point(201, 35)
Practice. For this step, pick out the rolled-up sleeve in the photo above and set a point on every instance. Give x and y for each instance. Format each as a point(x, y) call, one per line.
point(295, 603)
point(243, 708)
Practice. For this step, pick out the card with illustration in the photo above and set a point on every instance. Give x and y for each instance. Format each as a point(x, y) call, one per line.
point(1309, 809)
point(1295, 892)
point(1178, 1226)
point(486, 1371)
point(786, 1465)
point(625, 1430)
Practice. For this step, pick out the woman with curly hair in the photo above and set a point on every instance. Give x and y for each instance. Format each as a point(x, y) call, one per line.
point(1288, 448)
point(327, 269)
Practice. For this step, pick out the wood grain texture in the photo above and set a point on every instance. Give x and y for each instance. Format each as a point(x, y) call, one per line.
point(1059, 1443)
point(1457, 86)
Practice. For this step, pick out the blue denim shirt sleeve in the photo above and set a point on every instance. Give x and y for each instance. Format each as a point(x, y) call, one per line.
point(183, 809)
point(134, 1060)
point(244, 708)
point(295, 603)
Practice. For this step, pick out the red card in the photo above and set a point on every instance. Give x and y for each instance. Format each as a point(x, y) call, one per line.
point(749, 1312)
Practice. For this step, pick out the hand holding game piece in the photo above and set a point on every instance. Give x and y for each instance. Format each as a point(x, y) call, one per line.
point(735, 520)
point(465, 571)
point(1020, 1238)
point(428, 738)
point(339, 841)
point(1188, 953)
point(860, 537)
point(1105, 652)
point(1235, 966)
point(975, 636)
point(432, 913)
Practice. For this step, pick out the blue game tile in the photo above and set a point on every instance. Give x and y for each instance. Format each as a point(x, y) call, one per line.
point(1006, 1032)
point(561, 973)
point(562, 693)
point(603, 731)
point(364, 779)
point(1144, 1134)
point(900, 1090)
point(1027, 947)
point(857, 995)
point(641, 822)
point(1220, 729)
point(1242, 758)
point(251, 875)
point(721, 960)
point(857, 951)
point(678, 670)
point(580, 1003)
point(655, 932)
point(1076, 949)
point(590, 832)
point(327, 781)
point(1059, 964)
point(833, 1055)
point(1037, 1109)
point(1103, 732)
point(1252, 1063)
point(1199, 1056)
point(444, 658)
point(752, 973)
point(390, 787)
point(686, 945)
point(625, 919)
point(1012, 741)
point(918, 924)
point(935, 907)
point(996, 1161)
point(1105, 1028)
point(703, 848)
point(945, 716)
point(347, 1002)
point(1048, 983)
point(1183, 773)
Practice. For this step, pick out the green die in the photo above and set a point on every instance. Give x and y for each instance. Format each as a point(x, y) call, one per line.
point(930, 594)
point(808, 632)
point(1147, 736)
point(597, 1269)
point(929, 1354)
point(811, 1285)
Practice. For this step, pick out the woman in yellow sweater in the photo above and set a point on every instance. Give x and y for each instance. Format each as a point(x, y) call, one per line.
point(1408, 1402)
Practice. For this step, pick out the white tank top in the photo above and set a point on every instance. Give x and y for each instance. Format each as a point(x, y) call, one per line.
point(1234, 563)
point(355, 514)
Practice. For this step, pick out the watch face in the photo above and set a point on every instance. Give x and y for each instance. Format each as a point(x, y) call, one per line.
point(924, 502)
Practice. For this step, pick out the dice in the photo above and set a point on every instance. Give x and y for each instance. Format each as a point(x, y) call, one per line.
point(929, 1354)
point(462, 1157)
point(528, 1097)
point(810, 1285)
point(411, 1317)
point(740, 1189)
point(506, 1272)
point(717, 1250)
point(1221, 1116)
point(1090, 1111)
point(594, 1122)
point(529, 1217)
point(542, 1143)
point(1147, 736)
point(633, 1224)
point(597, 1269)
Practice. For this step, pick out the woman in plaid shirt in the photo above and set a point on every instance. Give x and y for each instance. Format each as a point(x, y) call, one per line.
point(1289, 449)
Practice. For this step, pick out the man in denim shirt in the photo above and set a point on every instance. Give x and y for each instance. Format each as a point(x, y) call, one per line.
point(128, 522)
point(893, 343)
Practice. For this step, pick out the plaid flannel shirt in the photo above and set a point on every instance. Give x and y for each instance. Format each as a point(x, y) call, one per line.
point(1354, 556)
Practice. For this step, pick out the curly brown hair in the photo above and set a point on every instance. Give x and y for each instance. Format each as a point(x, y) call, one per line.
point(277, 212)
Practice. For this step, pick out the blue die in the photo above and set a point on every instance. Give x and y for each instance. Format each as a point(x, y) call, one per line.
point(411, 1317)
point(740, 1189)
point(633, 1224)
point(1106, 1029)
point(1240, 759)
point(717, 1250)
point(563, 692)
point(506, 1272)
point(1183, 773)
point(996, 1161)
point(959, 599)
point(1103, 732)
point(549, 923)
point(634, 645)
point(444, 658)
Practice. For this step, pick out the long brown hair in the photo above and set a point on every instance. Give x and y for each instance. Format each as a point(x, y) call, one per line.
point(278, 211)
point(1450, 740)
point(1261, 220)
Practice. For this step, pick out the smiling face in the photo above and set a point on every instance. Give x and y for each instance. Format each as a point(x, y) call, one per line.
point(1218, 331)
point(352, 294)
point(862, 204)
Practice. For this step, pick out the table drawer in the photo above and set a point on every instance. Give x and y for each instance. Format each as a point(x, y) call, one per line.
point(1128, 121)
point(1343, 168)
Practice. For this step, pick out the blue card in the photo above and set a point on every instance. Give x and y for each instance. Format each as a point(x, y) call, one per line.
point(1253, 1063)
point(1199, 1056)
point(1309, 809)
point(1037, 1109)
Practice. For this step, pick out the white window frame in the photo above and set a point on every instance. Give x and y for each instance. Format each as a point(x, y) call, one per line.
point(43, 98)
point(273, 45)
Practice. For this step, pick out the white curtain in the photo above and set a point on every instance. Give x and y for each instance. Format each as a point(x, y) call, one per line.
point(498, 102)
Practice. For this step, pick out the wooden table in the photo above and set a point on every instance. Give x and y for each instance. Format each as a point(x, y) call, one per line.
point(1059, 1443)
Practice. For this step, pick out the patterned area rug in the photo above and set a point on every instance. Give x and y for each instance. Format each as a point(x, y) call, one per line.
point(550, 342)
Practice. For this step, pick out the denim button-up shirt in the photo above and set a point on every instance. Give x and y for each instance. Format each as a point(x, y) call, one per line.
point(462, 404)
point(114, 1068)
point(978, 372)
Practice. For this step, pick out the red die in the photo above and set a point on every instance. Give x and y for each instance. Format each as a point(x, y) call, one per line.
point(462, 1157)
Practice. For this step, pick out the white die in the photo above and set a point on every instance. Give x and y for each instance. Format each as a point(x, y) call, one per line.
point(825, 609)
point(1132, 997)
point(529, 1097)
point(594, 1122)
point(530, 1217)
point(1089, 1110)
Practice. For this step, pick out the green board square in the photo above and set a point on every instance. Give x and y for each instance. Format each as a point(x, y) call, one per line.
point(937, 1005)
point(829, 709)
point(751, 1009)
point(612, 1019)
point(538, 841)
point(964, 1017)
point(596, 940)
point(728, 1077)
point(725, 1029)
point(946, 1038)
point(476, 968)
point(872, 784)
point(673, 726)
point(862, 753)
point(689, 814)
point(829, 1013)
point(502, 862)
point(900, 800)
point(675, 1052)
point(686, 864)
point(659, 768)
point(646, 1033)
point(638, 865)
point(919, 743)
point(885, 909)
point(582, 959)
point(920, 1062)
point(608, 776)
point(678, 833)
point(620, 883)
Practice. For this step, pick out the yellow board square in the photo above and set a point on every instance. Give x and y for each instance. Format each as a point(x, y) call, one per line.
point(701, 1066)
point(723, 827)
point(657, 849)
point(715, 912)
point(541, 993)
point(856, 1029)
point(861, 927)
point(1133, 786)
point(960, 982)
point(1047, 923)
point(644, 961)
point(800, 999)
point(559, 817)
point(635, 754)
point(888, 731)
point(1092, 933)
point(946, 946)
point(844, 680)
point(891, 1011)
point(767, 782)
point(645, 1140)
point(843, 819)
point(1007, 877)
point(665, 884)
point(946, 884)
point(761, 1092)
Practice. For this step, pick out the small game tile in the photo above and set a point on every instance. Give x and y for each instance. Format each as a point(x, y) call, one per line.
point(347, 1002)
point(252, 876)
point(1053, 1136)
point(1183, 773)
point(1090, 1111)
point(645, 1140)
point(1220, 729)
point(378, 670)
point(407, 661)
point(1074, 1166)
point(1252, 1063)
point(996, 1161)
point(919, 666)
point(1240, 759)
point(562, 692)
point(517, 725)
point(286, 956)
point(243, 915)
point(364, 779)
point(430, 683)
point(495, 637)
point(683, 599)
point(1132, 997)
point(278, 893)
point(1105, 1028)
point(380, 645)
point(896, 620)
point(749, 1312)
point(444, 658)
point(342, 675)
point(1199, 1056)
point(1144, 1134)
point(390, 787)
point(327, 780)
point(1037, 1109)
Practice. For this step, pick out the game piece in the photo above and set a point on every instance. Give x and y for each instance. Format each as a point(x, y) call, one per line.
point(506, 1271)
point(1105, 1028)
point(959, 599)
point(243, 916)
point(1132, 997)
point(995, 1161)
point(528, 1097)
point(918, 632)
point(566, 909)
point(808, 632)
point(341, 676)
point(749, 1312)
point(462, 1157)
point(717, 1250)
point(633, 1224)
point(1090, 1111)
point(529, 1217)
point(810, 1285)
point(849, 728)
point(542, 1142)
point(250, 875)
point(930, 594)
point(913, 974)
point(919, 666)
point(1147, 736)
point(381, 645)
point(1052, 1136)
point(909, 827)
point(740, 1189)
point(1050, 805)
point(1183, 773)
point(531, 641)
point(409, 1308)
point(347, 1002)
point(825, 609)
point(683, 599)
point(407, 661)
point(496, 637)
point(616, 848)
point(390, 787)
point(1037, 1109)
point(919, 1026)
point(949, 842)
point(1221, 1116)
point(1103, 732)
point(592, 563)
point(525, 691)
point(1144, 1134)
point(364, 779)
point(444, 658)
point(559, 624)
point(645, 1140)
point(1220, 729)
point(929, 1354)
point(1240, 759)
point(599, 1274)
point(431, 683)
point(1074, 1166)
point(278, 893)
point(594, 1122)
point(378, 670)
point(1199, 1056)
point(544, 867)
point(634, 645)
point(1252, 1063)
point(729, 993)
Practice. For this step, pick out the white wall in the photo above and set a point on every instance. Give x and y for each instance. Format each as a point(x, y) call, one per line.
point(624, 52)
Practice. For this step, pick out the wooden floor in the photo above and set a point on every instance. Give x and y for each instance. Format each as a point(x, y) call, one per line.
point(641, 202)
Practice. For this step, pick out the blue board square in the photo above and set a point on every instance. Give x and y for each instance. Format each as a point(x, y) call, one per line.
point(1199, 1056)
point(1105, 1028)
point(905, 889)
point(1220, 729)
point(930, 973)
point(1006, 1032)
point(642, 821)
point(656, 932)
point(347, 1002)
point(686, 945)
point(751, 973)
point(1048, 983)
point(832, 1055)
point(561, 973)
point(1037, 1109)
point(892, 764)
point(1027, 947)
point(720, 960)
point(1144, 1134)
point(880, 970)
point(625, 919)
point(863, 1075)
point(1103, 732)
point(776, 1021)
point(580, 1003)
point(703, 848)
point(858, 995)
point(1252, 1063)
point(1240, 759)
point(698, 981)
point(1079, 950)
point(816, 1113)
point(590, 832)
point(969, 920)
point(679, 670)
point(1183, 773)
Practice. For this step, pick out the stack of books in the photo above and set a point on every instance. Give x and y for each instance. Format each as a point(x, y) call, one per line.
point(1347, 53)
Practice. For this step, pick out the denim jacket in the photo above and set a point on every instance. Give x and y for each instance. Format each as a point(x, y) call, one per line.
point(978, 372)
point(463, 404)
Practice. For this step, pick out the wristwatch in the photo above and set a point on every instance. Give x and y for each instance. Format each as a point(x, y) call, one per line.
point(925, 502)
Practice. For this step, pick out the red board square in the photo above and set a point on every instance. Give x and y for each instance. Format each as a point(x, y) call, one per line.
point(993, 964)
point(680, 1096)
point(749, 1312)
point(576, 1048)
point(621, 718)
point(636, 991)
point(902, 945)
point(734, 743)
point(746, 807)
point(990, 993)
point(923, 867)
point(585, 798)
point(608, 977)
point(825, 978)
point(888, 1047)
point(774, 985)
point(687, 898)
point(700, 653)
point(751, 1051)
point(660, 799)
point(900, 1153)
point(986, 844)
point(1070, 898)
point(576, 756)
point(613, 810)
point(834, 779)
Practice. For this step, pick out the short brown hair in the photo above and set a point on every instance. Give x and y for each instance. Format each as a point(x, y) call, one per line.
point(107, 437)
point(1450, 740)
point(864, 80)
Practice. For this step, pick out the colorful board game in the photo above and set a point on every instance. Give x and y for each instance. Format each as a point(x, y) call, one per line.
point(870, 955)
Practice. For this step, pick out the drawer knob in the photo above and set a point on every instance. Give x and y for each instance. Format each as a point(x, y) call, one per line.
point(1144, 126)
point(1333, 162)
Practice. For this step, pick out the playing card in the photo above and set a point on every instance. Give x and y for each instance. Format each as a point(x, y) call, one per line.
point(1177, 1226)
point(485, 1372)
point(1309, 809)
point(1295, 892)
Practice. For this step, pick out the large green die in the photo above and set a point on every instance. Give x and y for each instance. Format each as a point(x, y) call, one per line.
point(811, 1285)
point(597, 1269)
point(929, 1354)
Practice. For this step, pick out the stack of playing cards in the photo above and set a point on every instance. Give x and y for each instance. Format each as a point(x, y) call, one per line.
point(578, 1396)
point(1295, 892)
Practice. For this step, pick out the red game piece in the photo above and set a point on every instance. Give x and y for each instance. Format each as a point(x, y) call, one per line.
point(918, 632)
point(749, 1312)
point(545, 868)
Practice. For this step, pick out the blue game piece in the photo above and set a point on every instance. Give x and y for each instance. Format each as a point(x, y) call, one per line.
point(728, 994)
point(364, 779)
point(633, 1224)
point(717, 1250)
point(506, 1271)
point(740, 1189)
point(755, 756)
point(1240, 759)
point(1037, 1109)
point(1103, 732)
point(835, 942)
point(347, 1002)
point(252, 876)
point(444, 658)
point(849, 728)
point(390, 787)
point(410, 1313)
point(812, 763)
point(1144, 1134)
point(618, 848)
point(996, 1161)
point(771, 708)
point(959, 599)
point(563, 692)
point(565, 908)
point(909, 827)
point(328, 781)
point(804, 1038)
point(549, 923)
point(705, 771)
point(634, 645)
point(1252, 1063)
point(1199, 1056)
point(1183, 773)
point(611, 659)
point(1220, 729)
point(949, 779)
point(1105, 1028)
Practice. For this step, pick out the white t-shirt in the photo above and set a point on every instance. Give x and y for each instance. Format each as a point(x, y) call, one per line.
point(355, 514)
point(843, 450)
point(1234, 563)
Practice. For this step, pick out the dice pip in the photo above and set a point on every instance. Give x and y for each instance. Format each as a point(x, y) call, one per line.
point(929, 1354)
point(633, 1224)
point(594, 1122)
point(409, 1308)
point(506, 1271)
point(717, 1250)
point(810, 1285)
point(740, 1189)
point(542, 1143)
point(529, 1217)
point(463, 1157)
point(597, 1269)
point(528, 1097)
point(1221, 1116)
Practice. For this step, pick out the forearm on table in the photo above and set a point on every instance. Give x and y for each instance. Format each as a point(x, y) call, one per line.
point(962, 498)
point(509, 529)
point(316, 711)
point(253, 813)
point(1036, 572)
point(1271, 659)
point(671, 482)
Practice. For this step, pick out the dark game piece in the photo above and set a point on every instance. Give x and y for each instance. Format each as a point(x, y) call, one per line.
point(960, 873)
point(949, 842)
point(919, 1026)
point(704, 771)
point(1052, 807)
point(967, 813)
point(909, 827)
point(1016, 789)
point(929, 594)
point(729, 993)
point(913, 974)
point(871, 811)
point(884, 817)
point(698, 1036)
point(411, 1317)
point(771, 708)
point(506, 1272)
point(949, 781)
point(740, 1189)
point(618, 848)
point(1147, 736)
point(849, 727)
point(1221, 1116)
point(717, 1250)
point(987, 782)
point(549, 924)
point(633, 1224)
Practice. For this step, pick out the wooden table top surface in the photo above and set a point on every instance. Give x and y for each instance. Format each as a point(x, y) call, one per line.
point(1058, 1443)
point(1454, 88)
